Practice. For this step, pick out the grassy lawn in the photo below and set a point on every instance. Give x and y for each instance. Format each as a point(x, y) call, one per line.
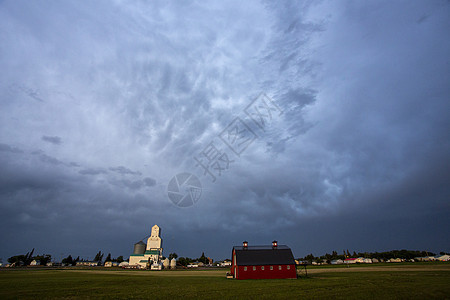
point(210, 284)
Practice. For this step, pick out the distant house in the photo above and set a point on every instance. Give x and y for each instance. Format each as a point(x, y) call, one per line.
point(395, 260)
point(358, 260)
point(425, 258)
point(337, 262)
point(444, 257)
point(350, 260)
point(35, 262)
point(109, 264)
point(225, 263)
point(262, 262)
point(88, 263)
point(195, 264)
point(374, 260)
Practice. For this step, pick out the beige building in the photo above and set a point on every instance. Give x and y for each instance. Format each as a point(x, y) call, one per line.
point(150, 254)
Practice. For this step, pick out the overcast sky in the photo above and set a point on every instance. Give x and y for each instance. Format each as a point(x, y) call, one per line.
point(104, 102)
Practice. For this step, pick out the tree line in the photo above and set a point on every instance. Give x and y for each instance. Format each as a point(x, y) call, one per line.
point(26, 259)
point(184, 261)
point(98, 258)
point(406, 254)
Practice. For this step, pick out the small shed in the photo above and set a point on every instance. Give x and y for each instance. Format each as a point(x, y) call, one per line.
point(263, 262)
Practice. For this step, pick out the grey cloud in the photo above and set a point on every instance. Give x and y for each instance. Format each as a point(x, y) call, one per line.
point(8, 148)
point(149, 181)
point(52, 139)
point(32, 93)
point(134, 185)
point(124, 171)
point(92, 171)
point(49, 159)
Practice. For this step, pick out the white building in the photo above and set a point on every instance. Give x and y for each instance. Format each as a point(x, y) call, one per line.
point(443, 257)
point(173, 263)
point(35, 263)
point(150, 254)
point(337, 262)
point(226, 263)
point(166, 263)
point(123, 264)
point(110, 264)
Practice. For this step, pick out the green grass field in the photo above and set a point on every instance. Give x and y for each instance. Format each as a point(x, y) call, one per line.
point(422, 281)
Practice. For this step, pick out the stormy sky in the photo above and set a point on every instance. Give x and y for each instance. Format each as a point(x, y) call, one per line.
point(321, 124)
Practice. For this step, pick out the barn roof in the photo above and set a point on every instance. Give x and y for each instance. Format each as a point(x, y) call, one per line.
point(263, 255)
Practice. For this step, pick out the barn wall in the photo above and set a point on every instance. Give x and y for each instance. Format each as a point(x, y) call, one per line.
point(266, 273)
point(233, 264)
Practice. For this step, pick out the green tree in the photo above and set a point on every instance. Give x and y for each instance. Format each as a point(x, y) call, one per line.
point(310, 257)
point(119, 259)
point(203, 259)
point(173, 255)
point(98, 256)
point(29, 257)
point(68, 260)
point(184, 261)
point(108, 258)
point(43, 259)
point(17, 259)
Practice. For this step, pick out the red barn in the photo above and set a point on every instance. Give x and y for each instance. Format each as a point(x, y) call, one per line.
point(263, 262)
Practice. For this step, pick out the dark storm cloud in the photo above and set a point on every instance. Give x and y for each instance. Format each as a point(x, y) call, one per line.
point(361, 144)
point(43, 157)
point(52, 139)
point(8, 148)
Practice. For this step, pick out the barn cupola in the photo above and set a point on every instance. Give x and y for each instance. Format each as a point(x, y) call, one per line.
point(274, 244)
point(245, 244)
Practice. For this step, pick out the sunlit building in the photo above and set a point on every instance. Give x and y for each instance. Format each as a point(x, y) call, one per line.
point(148, 255)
